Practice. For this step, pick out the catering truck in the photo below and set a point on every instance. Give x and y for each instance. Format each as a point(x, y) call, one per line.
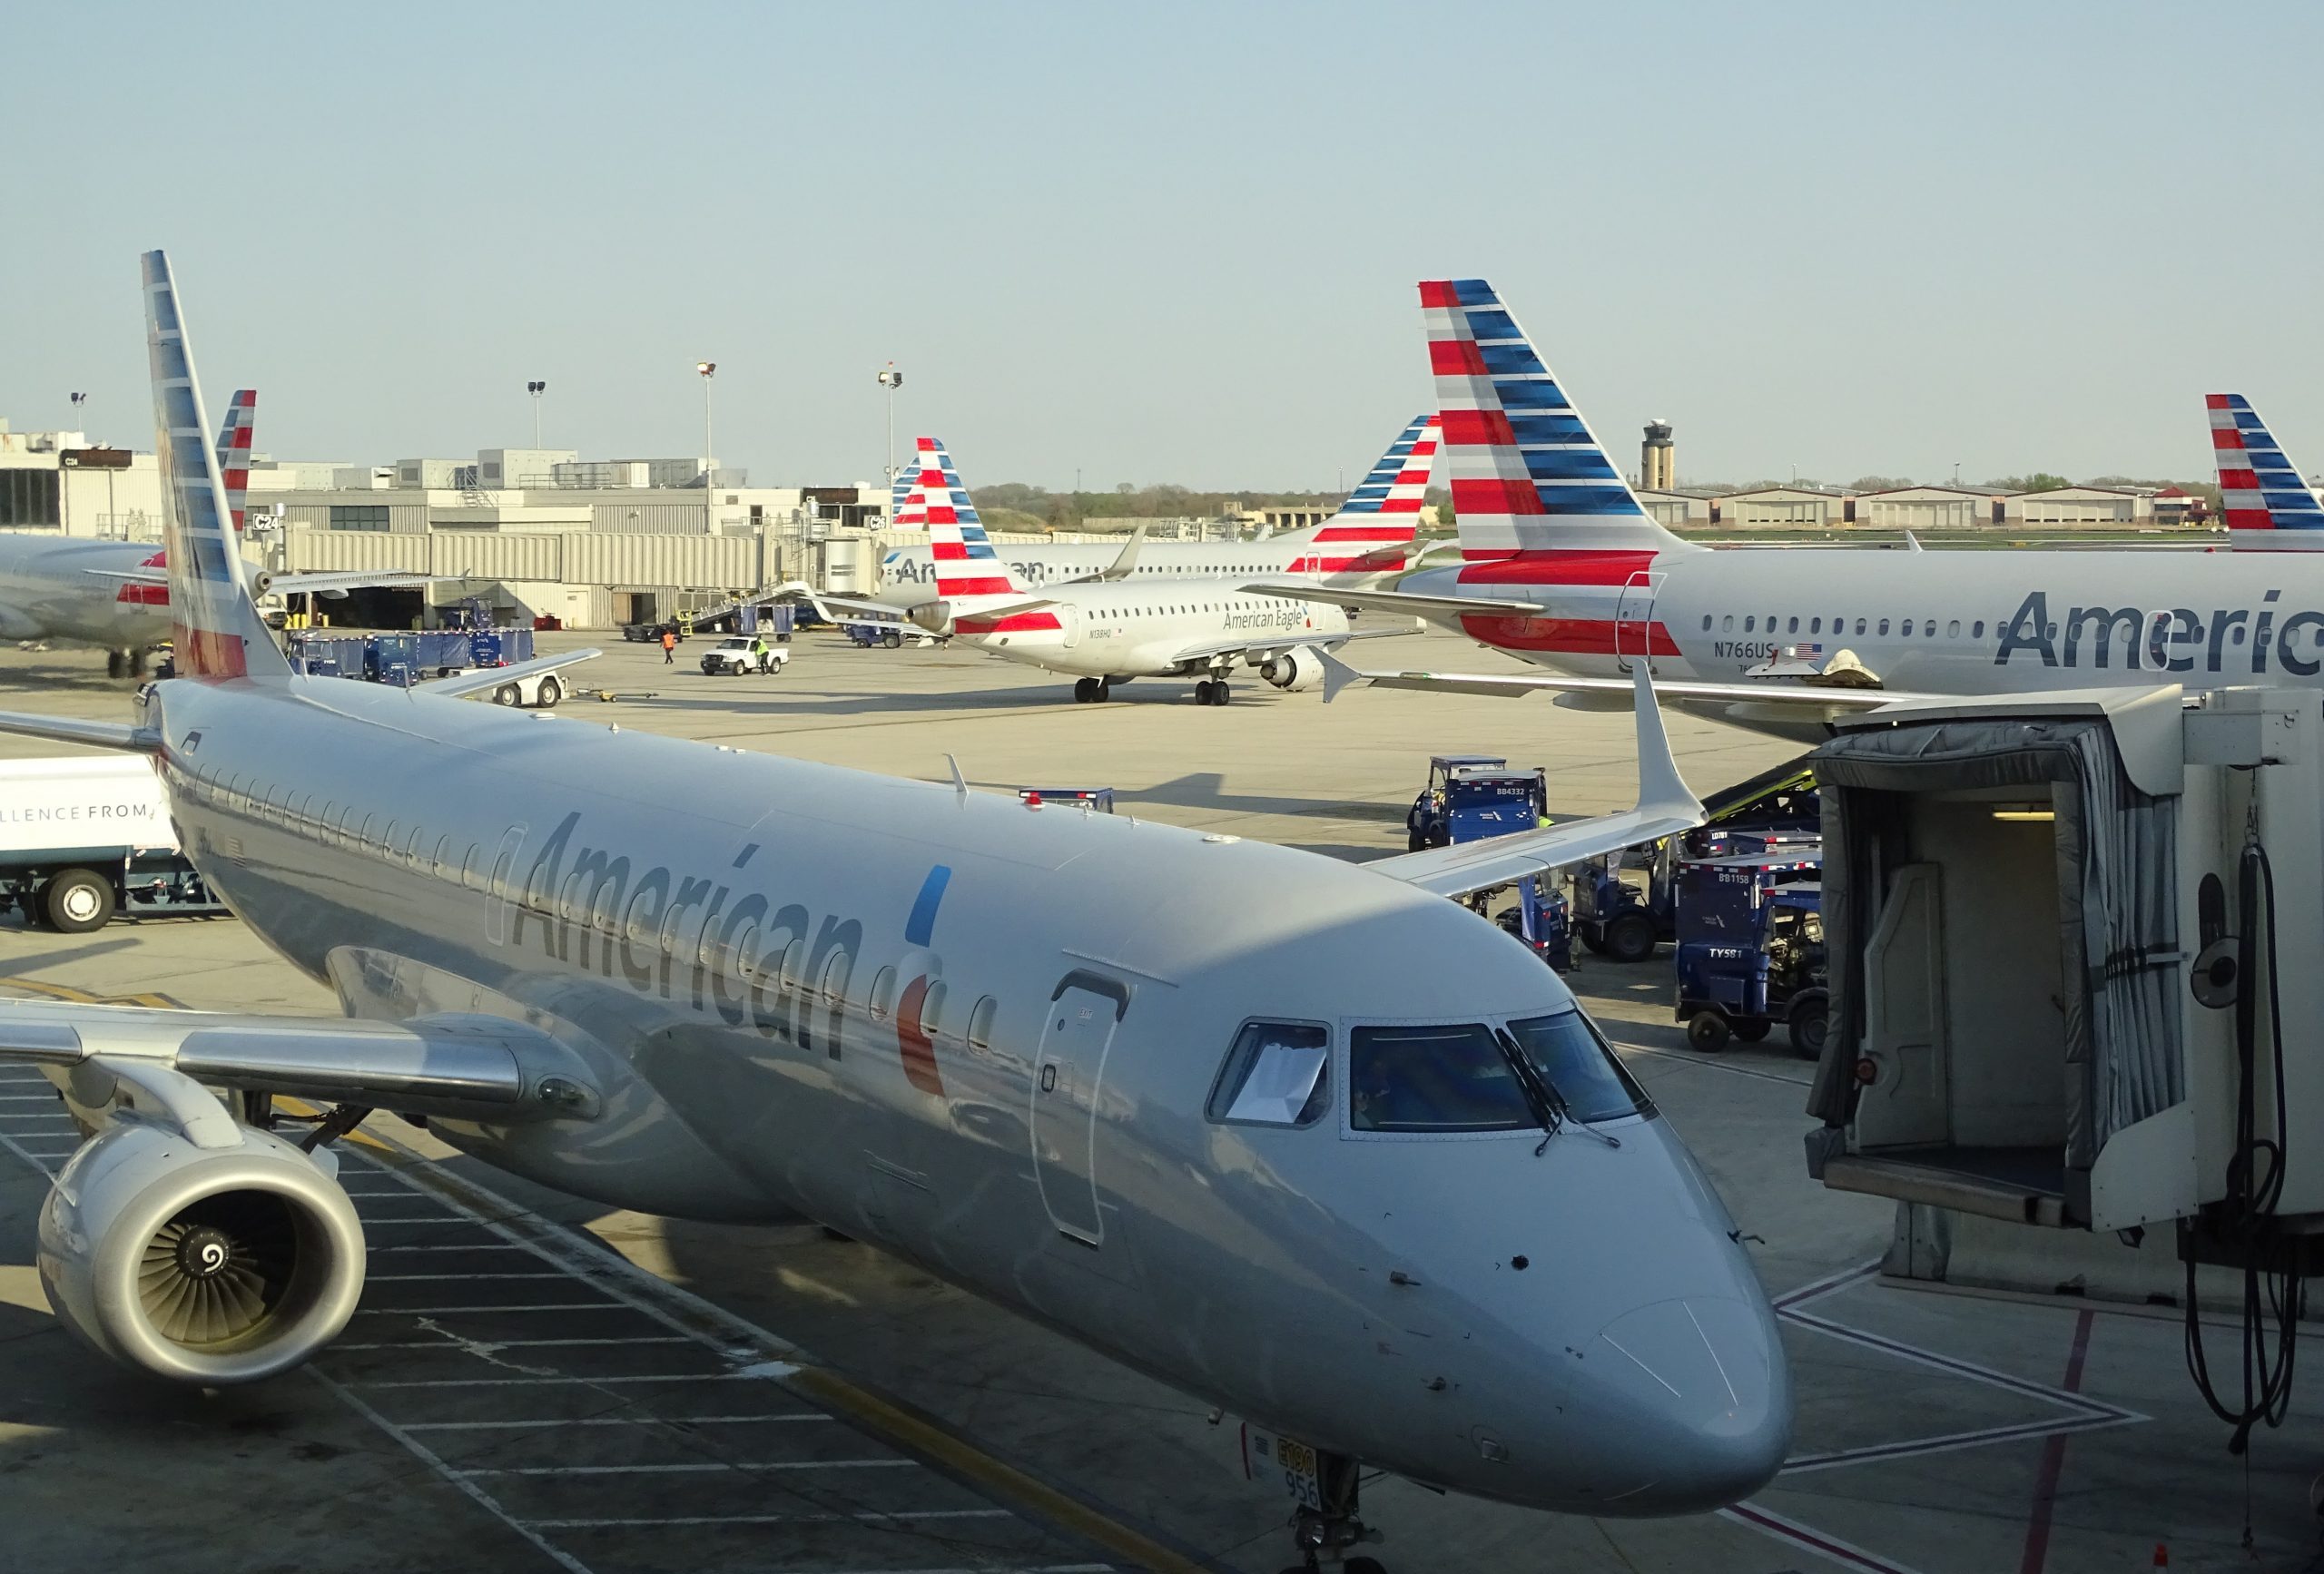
point(87, 837)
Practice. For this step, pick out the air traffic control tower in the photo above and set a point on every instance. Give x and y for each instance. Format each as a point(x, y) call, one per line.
point(1658, 458)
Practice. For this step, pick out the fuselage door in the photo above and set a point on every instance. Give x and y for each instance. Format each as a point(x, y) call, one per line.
point(1067, 1078)
point(1634, 618)
point(1068, 618)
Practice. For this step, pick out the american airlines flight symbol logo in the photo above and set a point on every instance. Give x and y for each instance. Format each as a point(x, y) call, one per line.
point(918, 1055)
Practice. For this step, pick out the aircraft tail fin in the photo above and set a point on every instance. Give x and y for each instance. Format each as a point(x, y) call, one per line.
point(967, 567)
point(901, 513)
point(1374, 530)
point(982, 592)
point(2268, 507)
point(218, 631)
point(235, 451)
point(1530, 482)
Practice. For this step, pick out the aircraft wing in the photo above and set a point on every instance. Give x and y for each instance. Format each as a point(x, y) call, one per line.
point(459, 1065)
point(324, 583)
point(290, 583)
point(73, 730)
point(1665, 807)
point(1258, 650)
point(1807, 701)
point(1438, 607)
point(480, 679)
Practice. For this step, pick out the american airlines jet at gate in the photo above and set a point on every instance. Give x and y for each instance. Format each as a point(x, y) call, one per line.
point(1371, 536)
point(1110, 630)
point(1221, 1110)
point(1561, 566)
point(115, 594)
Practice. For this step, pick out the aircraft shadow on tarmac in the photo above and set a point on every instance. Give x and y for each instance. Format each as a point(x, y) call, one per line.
point(1207, 790)
point(50, 671)
point(850, 703)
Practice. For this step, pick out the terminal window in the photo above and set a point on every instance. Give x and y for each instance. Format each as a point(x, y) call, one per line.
point(359, 517)
point(28, 496)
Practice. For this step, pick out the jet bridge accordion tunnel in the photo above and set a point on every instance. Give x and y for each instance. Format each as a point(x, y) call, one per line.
point(2077, 976)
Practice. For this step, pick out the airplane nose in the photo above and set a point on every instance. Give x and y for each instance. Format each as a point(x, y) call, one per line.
point(1707, 1378)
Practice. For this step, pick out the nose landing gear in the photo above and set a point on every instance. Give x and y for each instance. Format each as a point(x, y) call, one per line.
point(1326, 1532)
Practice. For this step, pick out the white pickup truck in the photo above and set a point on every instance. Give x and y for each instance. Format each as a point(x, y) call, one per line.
point(733, 655)
point(85, 837)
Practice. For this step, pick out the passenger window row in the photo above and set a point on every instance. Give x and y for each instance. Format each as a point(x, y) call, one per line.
point(1752, 624)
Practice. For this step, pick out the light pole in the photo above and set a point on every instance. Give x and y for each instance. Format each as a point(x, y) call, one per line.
point(537, 389)
point(708, 368)
point(79, 399)
point(891, 380)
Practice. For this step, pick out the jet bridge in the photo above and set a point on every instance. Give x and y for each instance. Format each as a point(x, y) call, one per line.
point(2077, 954)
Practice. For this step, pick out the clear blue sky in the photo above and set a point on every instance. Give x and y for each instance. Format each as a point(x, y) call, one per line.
point(1177, 243)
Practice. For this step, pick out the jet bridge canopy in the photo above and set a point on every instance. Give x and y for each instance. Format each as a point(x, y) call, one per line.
point(2000, 902)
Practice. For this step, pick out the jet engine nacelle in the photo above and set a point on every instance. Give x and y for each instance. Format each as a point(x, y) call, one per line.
point(935, 616)
point(208, 1266)
point(1295, 669)
point(262, 582)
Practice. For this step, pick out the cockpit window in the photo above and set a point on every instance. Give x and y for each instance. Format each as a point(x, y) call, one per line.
point(1579, 1066)
point(1277, 1074)
point(1435, 1079)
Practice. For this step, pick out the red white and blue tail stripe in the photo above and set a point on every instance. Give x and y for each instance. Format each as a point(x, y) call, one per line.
point(234, 452)
point(218, 633)
point(1527, 474)
point(970, 573)
point(1382, 515)
point(2268, 507)
point(966, 564)
point(901, 515)
point(1541, 511)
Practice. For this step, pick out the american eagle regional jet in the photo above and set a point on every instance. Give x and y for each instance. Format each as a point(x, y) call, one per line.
point(1112, 628)
point(1561, 566)
point(1368, 537)
point(1159, 1090)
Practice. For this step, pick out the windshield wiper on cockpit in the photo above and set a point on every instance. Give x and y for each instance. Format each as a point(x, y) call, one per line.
point(1549, 1106)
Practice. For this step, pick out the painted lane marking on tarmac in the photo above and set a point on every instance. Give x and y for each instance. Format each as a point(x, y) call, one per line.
point(2054, 1456)
point(2082, 1413)
point(749, 1354)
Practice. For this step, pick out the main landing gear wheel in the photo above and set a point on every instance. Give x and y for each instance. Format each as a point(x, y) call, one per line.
point(1211, 692)
point(1085, 691)
point(116, 664)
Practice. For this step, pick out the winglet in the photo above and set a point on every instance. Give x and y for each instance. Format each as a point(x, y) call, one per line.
point(959, 782)
point(1337, 675)
point(1660, 788)
point(1912, 542)
point(1127, 564)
